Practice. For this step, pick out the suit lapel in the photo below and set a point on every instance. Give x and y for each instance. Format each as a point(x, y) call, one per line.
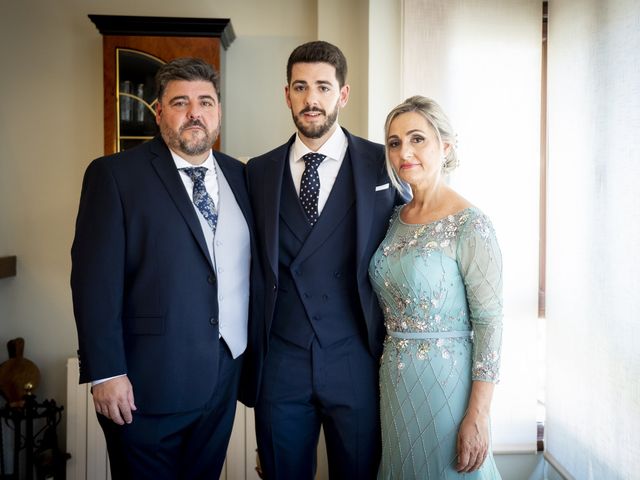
point(273, 175)
point(365, 174)
point(291, 212)
point(166, 169)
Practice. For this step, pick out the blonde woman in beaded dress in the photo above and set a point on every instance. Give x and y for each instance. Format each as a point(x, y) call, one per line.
point(438, 277)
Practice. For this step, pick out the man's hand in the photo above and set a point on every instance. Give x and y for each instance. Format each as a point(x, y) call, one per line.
point(114, 399)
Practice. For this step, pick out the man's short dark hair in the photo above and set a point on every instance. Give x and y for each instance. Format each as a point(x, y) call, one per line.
point(319, 51)
point(190, 69)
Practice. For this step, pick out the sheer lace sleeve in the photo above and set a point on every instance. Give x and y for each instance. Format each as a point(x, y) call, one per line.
point(480, 262)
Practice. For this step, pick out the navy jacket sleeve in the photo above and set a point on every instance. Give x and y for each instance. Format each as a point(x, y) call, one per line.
point(97, 275)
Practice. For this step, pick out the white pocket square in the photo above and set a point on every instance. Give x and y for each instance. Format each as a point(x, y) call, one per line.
point(382, 187)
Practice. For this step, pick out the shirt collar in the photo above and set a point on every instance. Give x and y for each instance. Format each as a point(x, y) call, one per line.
point(334, 148)
point(182, 163)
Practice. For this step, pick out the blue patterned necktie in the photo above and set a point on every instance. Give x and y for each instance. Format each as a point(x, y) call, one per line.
point(201, 198)
point(310, 185)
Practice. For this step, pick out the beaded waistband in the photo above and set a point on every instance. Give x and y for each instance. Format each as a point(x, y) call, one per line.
point(427, 335)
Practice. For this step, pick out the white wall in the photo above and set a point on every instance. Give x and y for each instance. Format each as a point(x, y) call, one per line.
point(385, 64)
point(51, 127)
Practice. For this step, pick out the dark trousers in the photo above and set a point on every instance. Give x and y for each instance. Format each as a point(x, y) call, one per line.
point(336, 387)
point(190, 445)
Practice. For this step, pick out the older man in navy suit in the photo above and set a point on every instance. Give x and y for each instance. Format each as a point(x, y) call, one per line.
point(322, 203)
point(160, 281)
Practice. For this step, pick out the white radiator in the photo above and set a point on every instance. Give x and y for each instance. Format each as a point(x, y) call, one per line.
point(85, 441)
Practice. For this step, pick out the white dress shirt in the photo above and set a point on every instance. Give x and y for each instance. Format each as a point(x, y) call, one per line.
point(334, 148)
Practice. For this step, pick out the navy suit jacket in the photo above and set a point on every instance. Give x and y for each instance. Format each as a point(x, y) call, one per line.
point(144, 287)
point(373, 208)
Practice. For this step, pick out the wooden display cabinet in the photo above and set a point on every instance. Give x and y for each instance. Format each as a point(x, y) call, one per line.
point(134, 48)
point(7, 266)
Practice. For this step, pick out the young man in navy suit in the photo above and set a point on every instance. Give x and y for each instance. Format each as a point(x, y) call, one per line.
point(160, 279)
point(322, 202)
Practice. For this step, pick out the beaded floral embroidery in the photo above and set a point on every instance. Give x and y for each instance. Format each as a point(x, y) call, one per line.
point(423, 307)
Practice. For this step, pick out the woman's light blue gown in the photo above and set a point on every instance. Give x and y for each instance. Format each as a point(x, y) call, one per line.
point(440, 288)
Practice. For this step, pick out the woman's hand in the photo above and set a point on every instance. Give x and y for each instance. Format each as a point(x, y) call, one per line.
point(473, 442)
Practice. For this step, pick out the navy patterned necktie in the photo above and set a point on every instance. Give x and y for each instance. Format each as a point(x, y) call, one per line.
point(201, 198)
point(310, 185)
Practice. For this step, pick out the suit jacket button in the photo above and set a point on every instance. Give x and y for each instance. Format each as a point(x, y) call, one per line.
point(275, 287)
point(338, 274)
point(211, 279)
point(306, 295)
point(213, 321)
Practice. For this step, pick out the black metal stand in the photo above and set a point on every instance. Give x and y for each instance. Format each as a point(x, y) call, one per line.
point(39, 442)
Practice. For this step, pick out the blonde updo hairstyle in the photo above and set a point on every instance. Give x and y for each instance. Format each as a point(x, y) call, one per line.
point(435, 116)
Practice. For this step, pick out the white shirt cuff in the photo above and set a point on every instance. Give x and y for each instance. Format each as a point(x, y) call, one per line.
point(102, 380)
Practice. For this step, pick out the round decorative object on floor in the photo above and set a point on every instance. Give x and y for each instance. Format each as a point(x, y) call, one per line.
point(18, 375)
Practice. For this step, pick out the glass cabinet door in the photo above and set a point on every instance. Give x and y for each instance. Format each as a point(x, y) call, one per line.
point(136, 97)
point(133, 49)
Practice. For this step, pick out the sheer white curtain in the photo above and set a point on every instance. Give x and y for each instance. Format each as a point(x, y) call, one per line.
point(593, 272)
point(481, 61)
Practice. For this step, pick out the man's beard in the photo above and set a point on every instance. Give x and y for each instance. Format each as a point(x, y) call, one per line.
point(192, 146)
point(316, 131)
